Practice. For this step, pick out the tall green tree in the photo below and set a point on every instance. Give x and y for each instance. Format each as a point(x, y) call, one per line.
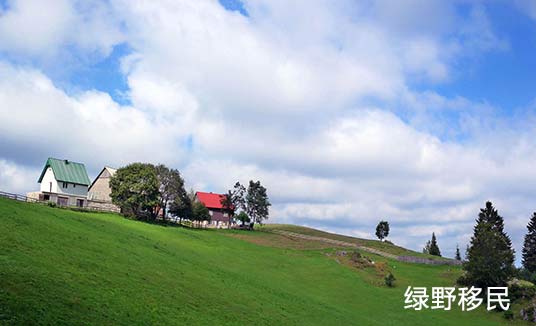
point(134, 188)
point(458, 256)
point(234, 200)
point(382, 230)
point(434, 247)
point(529, 246)
point(170, 187)
point(257, 202)
point(490, 256)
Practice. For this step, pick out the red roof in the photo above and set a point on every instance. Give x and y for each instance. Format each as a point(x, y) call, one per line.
point(210, 200)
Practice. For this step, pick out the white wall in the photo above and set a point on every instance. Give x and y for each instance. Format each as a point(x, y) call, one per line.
point(57, 186)
point(47, 179)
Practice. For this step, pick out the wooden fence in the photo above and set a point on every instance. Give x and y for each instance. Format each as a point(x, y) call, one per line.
point(27, 199)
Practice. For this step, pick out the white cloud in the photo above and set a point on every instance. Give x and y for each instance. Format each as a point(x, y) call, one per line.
point(278, 97)
point(34, 29)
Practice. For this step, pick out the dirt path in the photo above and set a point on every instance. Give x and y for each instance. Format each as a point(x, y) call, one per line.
point(408, 259)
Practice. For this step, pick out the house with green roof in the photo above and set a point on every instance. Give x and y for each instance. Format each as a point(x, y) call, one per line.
point(64, 182)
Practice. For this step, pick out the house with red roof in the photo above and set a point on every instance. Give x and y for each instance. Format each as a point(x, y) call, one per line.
point(219, 216)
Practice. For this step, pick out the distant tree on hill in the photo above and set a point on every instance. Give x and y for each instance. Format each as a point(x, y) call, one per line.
point(257, 202)
point(490, 257)
point(529, 246)
point(234, 200)
point(434, 248)
point(170, 187)
point(382, 230)
point(134, 188)
point(200, 212)
point(458, 256)
point(426, 249)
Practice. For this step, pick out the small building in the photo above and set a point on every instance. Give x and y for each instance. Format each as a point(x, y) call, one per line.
point(63, 182)
point(100, 187)
point(219, 217)
point(99, 191)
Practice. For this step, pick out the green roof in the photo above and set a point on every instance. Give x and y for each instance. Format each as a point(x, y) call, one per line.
point(67, 171)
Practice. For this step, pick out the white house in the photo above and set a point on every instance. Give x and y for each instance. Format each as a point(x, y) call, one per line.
point(63, 182)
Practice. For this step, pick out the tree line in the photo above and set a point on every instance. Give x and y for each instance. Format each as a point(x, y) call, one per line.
point(148, 192)
point(489, 258)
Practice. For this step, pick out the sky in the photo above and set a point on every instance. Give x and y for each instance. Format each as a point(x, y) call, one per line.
point(349, 112)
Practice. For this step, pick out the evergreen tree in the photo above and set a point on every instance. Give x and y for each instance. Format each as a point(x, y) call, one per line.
point(458, 256)
point(426, 249)
point(434, 248)
point(529, 246)
point(490, 257)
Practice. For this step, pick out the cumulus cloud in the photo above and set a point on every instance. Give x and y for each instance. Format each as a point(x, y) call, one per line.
point(314, 100)
point(31, 29)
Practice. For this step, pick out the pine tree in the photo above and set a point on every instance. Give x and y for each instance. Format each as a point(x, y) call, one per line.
point(529, 246)
point(490, 257)
point(426, 249)
point(458, 256)
point(434, 248)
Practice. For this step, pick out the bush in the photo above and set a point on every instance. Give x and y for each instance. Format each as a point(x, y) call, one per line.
point(390, 280)
point(520, 289)
point(51, 204)
point(508, 314)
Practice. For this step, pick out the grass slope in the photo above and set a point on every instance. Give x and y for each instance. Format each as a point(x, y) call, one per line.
point(63, 267)
point(375, 244)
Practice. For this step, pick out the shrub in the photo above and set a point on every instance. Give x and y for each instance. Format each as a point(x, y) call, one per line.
point(390, 280)
point(508, 314)
point(51, 204)
point(520, 289)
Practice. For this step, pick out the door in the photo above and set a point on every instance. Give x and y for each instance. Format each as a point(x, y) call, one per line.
point(80, 202)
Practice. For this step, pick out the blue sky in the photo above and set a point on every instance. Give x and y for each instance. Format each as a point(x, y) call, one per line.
point(350, 112)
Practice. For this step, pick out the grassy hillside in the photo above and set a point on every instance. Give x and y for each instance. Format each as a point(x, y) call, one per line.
point(63, 267)
point(383, 246)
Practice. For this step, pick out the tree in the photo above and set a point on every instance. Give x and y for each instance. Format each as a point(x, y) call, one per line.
point(257, 202)
point(382, 230)
point(234, 200)
point(529, 246)
point(170, 187)
point(239, 196)
point(490, 257)
point(390, 280)
point(227, 204)
point(426, 249)
point(134, 188)
point(458, 256)
point(243, 217)
point(434, 248)
point(181, 207)
point(200, 212)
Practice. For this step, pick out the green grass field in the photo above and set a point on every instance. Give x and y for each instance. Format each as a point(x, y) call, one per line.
point(63, 267)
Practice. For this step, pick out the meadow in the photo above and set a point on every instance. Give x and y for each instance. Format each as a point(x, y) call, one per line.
point(64, 267)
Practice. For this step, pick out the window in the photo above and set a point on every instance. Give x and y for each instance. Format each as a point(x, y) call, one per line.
point(74, 185)
point(65, 185)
